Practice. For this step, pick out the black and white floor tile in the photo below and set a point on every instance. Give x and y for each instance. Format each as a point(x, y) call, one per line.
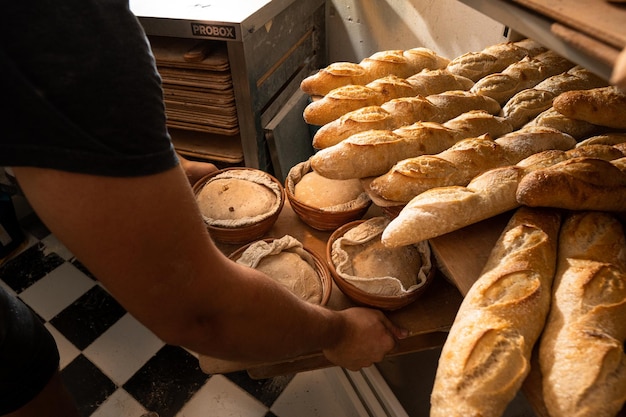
point(115, 367)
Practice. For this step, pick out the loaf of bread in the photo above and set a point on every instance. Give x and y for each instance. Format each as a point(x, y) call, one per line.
point(352, 97)
point(612, 138)
point(604, 106)
point(486, 356)
point(445, 209)
point(581, 351)
point(401, 112)
point(463, 161)
point(492, 59)
point(520, 75)
point(581, 183)
point(578, 129)
point(428, 82)
point(374, 152)
point(527, 104)
point(400, 63)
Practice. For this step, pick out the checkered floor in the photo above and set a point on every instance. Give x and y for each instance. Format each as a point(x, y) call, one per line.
point(115, 367)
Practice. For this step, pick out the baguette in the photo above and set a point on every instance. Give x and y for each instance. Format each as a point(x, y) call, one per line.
point(401, 112)
point(374, 152)
point(464, 161)
point(486, 356)
point(612, 138)
point(445, 209)
point(428, 82)
point(576, 184)
point(494, 58)
point(581, 352)
point(521, 75)
point(528, 103)
point(578, 129)
point(352, 97)
point(381, 64)
point(604, 106)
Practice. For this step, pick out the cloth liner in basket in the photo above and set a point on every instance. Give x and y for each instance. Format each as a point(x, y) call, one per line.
point(369, 232)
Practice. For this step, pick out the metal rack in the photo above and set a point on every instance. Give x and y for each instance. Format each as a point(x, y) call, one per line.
point(272, 45)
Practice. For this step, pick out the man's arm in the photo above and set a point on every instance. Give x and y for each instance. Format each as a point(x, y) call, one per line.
point(145, 240)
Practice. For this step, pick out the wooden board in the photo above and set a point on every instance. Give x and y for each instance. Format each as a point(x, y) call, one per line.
point(599, 19)
point(428, 319)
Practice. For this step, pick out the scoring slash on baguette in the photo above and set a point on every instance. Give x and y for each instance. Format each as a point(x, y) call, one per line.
point(401, 63)
point(581, 183)
point(527, 104)
point(581, 352)
point(374, 152)
point(486, 356)
point(463, 161)
point(603, 106)
point(445, 209)
point(401, 112)
point(494, 58)
point(521, 75)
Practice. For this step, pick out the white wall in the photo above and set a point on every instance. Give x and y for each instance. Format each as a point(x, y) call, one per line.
point(358, 28)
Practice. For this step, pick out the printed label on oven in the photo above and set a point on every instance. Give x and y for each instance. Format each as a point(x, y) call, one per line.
point(214, 31)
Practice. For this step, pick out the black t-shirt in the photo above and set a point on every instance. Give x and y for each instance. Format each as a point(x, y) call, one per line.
point(80, 89)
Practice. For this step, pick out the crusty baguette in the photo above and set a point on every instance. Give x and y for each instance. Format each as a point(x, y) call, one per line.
point(576, 184)
point(492, 59)
point(352, 97)
point(612, 138)
point(486, 356)
point(428, 81)
point(452, 103)
point(581, 352)
point(604, 106)
point(380, 64)
point(463, 161)
point(578, 129)
point(520, 75)
point(445, 209)
point(401, 112)
point(528, 103)
point(374, 152)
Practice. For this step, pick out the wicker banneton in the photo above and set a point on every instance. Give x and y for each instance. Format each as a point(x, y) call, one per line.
point(320, 267)
point(362, 297)
point(248, 232)
point(322, 219)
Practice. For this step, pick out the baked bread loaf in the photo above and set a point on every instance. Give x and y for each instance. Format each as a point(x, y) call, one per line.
point(612, 138)
point(581, 352)
point(351, 97)
point(576, 184)
point(428, 82)
point(527, 104)
point(576, 128)
point(464, 161)
point(400, 63)
point(604, 106)
point(520, 75)
point(374, 152)
point(445, 209)
point(486, 356)
point(492, 59)
point(388, 116)
point(401, 112)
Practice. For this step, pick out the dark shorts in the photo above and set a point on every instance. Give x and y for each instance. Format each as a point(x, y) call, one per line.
point(28, 354)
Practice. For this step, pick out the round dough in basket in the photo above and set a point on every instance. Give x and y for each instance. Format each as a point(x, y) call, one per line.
point(318, 191)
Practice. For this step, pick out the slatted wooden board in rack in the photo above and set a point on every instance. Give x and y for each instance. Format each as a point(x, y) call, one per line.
point(197, 85)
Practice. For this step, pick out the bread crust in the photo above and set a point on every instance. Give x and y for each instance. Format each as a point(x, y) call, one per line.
point(581, 353)
point(580, 183)
point(486, 356)
point(604, 106)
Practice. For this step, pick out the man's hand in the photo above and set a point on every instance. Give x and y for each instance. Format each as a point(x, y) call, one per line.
point(368, 336)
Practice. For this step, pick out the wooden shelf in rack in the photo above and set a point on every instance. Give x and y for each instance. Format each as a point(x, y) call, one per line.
point(208, 146)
